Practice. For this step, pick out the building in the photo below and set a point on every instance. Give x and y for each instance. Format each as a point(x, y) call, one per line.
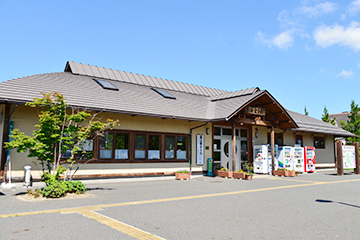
point(162, 122)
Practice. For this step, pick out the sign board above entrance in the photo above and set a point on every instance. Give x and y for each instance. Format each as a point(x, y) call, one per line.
point(255, 111)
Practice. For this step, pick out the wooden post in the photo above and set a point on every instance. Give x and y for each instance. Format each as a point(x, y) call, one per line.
point(233, 133)
point(357, 164)
point(272, 137)
point(339, 159)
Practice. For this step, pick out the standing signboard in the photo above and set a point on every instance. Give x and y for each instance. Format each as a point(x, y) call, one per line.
point(348, 157)
point(199, 149)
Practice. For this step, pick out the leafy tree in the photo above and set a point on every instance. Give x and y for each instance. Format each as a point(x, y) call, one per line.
point(306, 112)
point(326, 118)
point(353, 123)
point(61, 129)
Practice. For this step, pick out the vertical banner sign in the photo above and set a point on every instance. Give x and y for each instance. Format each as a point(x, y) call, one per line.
point(349, 157)
point(199, 149)
point(11, 128)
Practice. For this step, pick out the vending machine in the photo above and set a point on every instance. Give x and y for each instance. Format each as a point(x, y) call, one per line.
point(309, 158)
point(269, 157)
point(261, 159)
point(298, 159)
point(285, 159)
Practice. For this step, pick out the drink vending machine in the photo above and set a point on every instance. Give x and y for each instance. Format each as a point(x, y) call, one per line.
point(284, 158)
point(309, 158)
point(298, 159)
point(261, 159)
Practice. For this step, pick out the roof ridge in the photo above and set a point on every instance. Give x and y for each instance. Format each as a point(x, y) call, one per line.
point(139, 79)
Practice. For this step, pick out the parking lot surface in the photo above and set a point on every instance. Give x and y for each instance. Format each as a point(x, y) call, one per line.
point(320, 205)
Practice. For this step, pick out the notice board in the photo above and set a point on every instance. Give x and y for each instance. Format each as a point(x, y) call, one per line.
point(349, 157)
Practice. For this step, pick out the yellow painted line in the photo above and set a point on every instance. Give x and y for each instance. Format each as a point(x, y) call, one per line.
point(122, 227)
point(99, 207)
point(292, 179)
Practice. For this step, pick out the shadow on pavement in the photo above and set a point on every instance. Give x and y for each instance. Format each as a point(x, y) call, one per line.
point(91, 189)
point(329, 201)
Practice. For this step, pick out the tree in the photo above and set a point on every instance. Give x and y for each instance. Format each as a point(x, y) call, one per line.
point(326, 118)
point(306, 112)
point(61, 129)
point(353, 123)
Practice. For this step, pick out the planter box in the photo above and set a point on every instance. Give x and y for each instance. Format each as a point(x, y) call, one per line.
point(279, 173)
point(290, 174)
point(248, 177)
point(227, 174)
point(181, 176)
point(239, 175)
point(216, 172)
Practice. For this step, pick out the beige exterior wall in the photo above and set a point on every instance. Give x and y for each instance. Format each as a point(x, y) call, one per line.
point(323, 156)
point(25, 118)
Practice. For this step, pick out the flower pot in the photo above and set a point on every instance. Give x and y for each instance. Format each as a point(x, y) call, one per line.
point(181, 176)
point(226, 174)
point(248, 177)
point(290, 174)
point(279, 173)
point(239, 175)
point(216, 172)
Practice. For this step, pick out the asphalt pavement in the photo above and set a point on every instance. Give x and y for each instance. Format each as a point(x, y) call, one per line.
point(319, 205)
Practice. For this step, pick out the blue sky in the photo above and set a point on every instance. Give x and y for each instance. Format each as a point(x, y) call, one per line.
point(305, 53)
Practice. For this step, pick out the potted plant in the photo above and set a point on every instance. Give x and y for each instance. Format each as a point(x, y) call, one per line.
point(280, 172)
point(290, 173)
point(249, 170)
point(240, 174)
point(224, 172)
point(182, 174)
point(216, 170)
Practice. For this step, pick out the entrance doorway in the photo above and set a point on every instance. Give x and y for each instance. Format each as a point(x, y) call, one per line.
point(223, 147)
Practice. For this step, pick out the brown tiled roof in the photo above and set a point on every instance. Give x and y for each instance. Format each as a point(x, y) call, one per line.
point(137, 97)
point(309, 124)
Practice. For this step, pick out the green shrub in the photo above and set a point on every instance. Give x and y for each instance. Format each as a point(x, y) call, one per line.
point(55, 190)
point(75, 187)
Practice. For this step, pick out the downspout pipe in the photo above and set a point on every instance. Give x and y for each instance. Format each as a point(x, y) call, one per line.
point(191, 129)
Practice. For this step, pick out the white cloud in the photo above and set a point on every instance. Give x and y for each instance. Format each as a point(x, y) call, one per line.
point(352, 9)
point(326, 36)
point(282, 41)
point(345, 74)
point(318, 9)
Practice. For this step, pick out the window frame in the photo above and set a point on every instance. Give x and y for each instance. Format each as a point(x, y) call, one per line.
point(131, 153)
point(319, 139)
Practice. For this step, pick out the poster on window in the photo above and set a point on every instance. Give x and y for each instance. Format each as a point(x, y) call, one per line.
point(348, 157)
point(199, 149)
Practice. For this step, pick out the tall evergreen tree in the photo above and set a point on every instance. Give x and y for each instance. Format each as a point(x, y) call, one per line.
point(353, 123)
point(326, 118)
point(306, 112)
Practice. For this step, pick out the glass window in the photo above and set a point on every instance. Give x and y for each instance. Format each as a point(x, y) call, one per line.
point(121, 146)
point(319, 142)
point(106, 146)
point(226, 131)
point(181, 148)
point(217, 145)
point(169, 147)
point(243, 132)
point(154, 147)
point(140, 146)
point(217, 131)
point(217, 156)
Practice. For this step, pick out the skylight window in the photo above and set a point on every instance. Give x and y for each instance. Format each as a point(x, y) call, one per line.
point(164, 93)
point(106, 85)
